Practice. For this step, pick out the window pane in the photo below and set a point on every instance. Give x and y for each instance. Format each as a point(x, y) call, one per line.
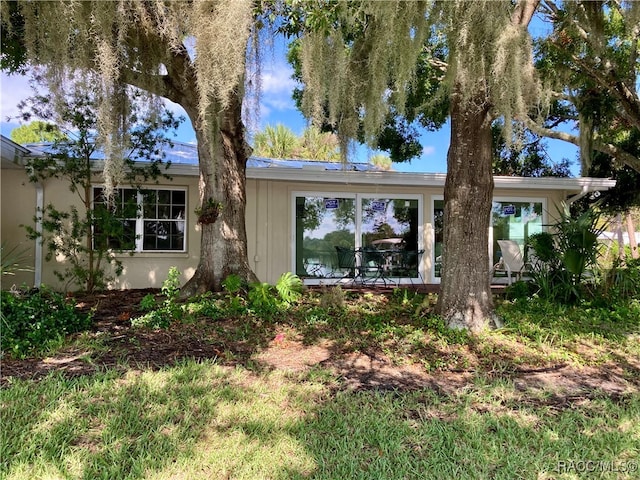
point(178, 197)
point(149, 211)
point(163, 235)
point(322, 224)
point(514, 221)
point(97, 195)
point(177, 212)
point(390, 222)
point(149, 201)
point(438, 236)
point(391, 225)
point(164, 196)
point(114, 225)
point(164, 211)
point(130, 195)
point(129, 234)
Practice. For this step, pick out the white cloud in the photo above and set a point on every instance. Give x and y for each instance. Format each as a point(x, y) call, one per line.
point(278, 103)
point(13, 89)
point(428, 150)
point(277, 79)
point(277, 89)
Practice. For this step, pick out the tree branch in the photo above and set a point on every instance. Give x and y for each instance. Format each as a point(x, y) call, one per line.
point(616, 152)
point(439, 64)
point(156, 84)
point(523, 12)
point(626, 96)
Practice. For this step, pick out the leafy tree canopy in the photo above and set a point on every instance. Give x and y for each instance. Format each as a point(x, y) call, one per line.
point(281, 142)
point(590, 65)
point(36, 132)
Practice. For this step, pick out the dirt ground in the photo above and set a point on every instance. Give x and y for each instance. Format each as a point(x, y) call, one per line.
point(115, 344)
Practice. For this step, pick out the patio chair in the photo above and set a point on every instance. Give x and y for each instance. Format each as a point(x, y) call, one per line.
point(375, 265)
point(512, 261)
point(347, 261)
point(409, 265)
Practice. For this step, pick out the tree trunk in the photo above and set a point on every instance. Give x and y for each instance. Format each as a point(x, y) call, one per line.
point(620, 237)
point(465, 301)
point(223, 155)
point(631, 232)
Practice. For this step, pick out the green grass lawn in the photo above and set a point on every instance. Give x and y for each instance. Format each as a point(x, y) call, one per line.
point(200, 420)
point(208, 419)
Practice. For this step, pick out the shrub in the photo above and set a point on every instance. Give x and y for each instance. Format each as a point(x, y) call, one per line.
point(161, 316)
point(519, 290)
point(621, 282)
point(565, 259)
point(265, 299)
point(32, 321)
point(233, 284)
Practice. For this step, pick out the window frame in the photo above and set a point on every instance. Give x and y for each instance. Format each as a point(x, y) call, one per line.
point(140, 217)
point(358, 198)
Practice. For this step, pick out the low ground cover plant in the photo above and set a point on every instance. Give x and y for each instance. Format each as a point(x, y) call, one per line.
point(34, 320)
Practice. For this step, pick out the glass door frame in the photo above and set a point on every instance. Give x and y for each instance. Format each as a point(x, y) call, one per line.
point(358, 197)
point(432, 247)
point(501, 199)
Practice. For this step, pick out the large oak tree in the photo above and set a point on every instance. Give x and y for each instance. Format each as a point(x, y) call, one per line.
point(371, 50)
point(192, 53)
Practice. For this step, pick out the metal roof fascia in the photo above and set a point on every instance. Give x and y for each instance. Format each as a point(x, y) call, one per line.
point(555, 183)
point(13, 151)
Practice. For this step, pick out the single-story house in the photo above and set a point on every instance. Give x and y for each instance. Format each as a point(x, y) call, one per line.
point(298, 212)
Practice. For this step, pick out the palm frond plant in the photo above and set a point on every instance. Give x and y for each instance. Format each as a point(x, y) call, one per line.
point(566, 256)
point(13, 259)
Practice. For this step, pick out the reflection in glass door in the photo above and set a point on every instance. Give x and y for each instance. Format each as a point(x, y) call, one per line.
point(510, 220)
point(515, 221)
point(389, 227)
point(438, 237)
point(327, 223)
point(321, 225)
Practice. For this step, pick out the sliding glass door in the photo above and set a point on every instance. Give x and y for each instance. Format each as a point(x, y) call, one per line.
point(321, 224)
point(511, 219)
point(514, 221)
point(325, 223)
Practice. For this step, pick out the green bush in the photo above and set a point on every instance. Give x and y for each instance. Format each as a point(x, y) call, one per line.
point(32, 321)
point(161, 316)
point(519, 290)
point(566, 259)
point(621, 281)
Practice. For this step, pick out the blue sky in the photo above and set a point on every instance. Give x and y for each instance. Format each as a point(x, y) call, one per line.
point(277, 106)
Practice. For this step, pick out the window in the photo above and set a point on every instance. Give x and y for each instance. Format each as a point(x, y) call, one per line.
point(145, 220)
point(327, 222)
point(511, 219)
point(515, 220)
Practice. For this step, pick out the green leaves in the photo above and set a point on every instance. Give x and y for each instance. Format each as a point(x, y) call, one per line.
point(289, 288)
point(564, 256)
point(31, 321)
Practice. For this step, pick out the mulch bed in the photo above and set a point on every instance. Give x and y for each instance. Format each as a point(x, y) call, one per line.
point(123, 347)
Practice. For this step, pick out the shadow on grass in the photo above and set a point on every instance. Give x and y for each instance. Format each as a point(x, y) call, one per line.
point(193, 419)
point(477, 433)
point(199, 420)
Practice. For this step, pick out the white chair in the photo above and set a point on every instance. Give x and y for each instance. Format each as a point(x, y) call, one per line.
point(512, 261)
